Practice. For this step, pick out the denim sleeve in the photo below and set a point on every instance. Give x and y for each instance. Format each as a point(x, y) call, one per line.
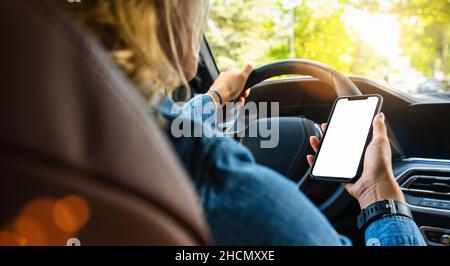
point(394, 231)
point(200, 109)
point(245, 203)
point(249, 204)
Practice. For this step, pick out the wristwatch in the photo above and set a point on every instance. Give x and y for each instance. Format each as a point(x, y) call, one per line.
point(380, 209)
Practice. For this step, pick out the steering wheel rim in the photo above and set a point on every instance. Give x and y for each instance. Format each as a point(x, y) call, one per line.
point(330, 76)
point(342, 84)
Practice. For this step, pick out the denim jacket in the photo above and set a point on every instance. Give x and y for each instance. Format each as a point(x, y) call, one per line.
point(248, 204)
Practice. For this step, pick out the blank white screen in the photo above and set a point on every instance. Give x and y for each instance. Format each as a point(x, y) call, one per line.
point(343, 144)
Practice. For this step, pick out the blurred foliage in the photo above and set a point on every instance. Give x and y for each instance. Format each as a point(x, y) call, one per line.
point(259, 31)
point(241, 31)
point(321, 35)
point(425, 30)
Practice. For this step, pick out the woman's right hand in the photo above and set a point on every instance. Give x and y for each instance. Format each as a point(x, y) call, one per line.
point(377, 181)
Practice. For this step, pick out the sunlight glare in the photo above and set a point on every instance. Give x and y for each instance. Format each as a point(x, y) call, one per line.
point(380, 31)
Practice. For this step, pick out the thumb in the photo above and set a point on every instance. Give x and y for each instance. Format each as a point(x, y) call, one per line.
point(247, 69)
point(379, 127)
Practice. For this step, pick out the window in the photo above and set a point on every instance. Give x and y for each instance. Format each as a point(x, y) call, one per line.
point(405, 43)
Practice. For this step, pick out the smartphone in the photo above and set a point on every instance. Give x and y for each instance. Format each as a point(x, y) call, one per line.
point(341, 152)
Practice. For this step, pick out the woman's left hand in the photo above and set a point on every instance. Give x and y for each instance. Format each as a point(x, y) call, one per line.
point(230, 85)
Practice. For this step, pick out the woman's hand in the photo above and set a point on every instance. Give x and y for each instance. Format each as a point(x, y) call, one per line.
point(230, 85)
point(377, 181)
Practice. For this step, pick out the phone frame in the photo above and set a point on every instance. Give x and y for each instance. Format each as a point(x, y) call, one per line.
point(368, 139)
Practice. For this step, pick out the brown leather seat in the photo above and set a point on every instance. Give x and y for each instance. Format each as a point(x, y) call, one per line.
point(79, 156)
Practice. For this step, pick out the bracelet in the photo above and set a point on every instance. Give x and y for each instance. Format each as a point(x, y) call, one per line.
point(216, 92)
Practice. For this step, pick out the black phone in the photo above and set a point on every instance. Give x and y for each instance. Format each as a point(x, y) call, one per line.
point(341, 152)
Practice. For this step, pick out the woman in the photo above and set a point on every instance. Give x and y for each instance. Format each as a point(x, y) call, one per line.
point(157, 43)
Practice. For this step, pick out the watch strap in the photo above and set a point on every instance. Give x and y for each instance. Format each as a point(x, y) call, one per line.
point(380, 209)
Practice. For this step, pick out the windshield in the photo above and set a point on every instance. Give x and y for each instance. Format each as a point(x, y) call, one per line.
point(405, 43)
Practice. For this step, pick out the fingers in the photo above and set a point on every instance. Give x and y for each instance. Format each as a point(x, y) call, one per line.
point(379, 127)
point(240, 103)
point(310, 159)
point(314, 141)
point(247, 93)
point(323, 127)
point(247, 69)
point(244, 73)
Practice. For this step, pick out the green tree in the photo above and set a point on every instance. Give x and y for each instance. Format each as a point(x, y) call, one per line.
point(259, 31)
point(425, 30)
point(241, 31)
point(321, 34)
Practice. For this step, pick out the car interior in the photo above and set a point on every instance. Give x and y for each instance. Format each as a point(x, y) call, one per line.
point(418, 133)
point(66, 109)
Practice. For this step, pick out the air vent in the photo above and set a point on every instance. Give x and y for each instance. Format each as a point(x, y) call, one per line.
point(434, 184)
point(426, 185)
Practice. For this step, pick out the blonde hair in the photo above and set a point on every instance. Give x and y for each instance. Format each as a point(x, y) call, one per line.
point(151, 40)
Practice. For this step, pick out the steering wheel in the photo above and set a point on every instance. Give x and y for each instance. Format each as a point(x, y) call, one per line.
point(335, 79)
point(342, 85)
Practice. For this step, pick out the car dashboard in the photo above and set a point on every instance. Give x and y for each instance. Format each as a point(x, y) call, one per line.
point(426, 186)
point(419, 133)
